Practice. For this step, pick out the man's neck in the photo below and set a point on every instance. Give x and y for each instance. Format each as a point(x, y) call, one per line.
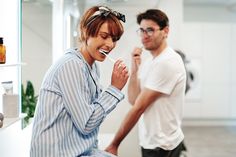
point(159, 50)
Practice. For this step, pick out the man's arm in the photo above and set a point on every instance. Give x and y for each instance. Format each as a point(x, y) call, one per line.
point(134, 85)
point(133, 88)
point(145, 99)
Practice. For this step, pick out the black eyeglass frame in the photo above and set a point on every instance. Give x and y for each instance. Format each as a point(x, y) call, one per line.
point(147, 31)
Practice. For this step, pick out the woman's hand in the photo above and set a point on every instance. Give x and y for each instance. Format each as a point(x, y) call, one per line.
point(120, 75)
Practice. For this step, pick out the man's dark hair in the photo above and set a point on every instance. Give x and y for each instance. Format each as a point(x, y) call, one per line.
point(159, 17)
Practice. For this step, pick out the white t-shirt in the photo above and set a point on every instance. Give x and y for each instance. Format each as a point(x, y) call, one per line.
point(160, 124)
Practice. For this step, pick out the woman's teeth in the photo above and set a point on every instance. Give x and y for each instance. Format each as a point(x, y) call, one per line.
point(103, 52)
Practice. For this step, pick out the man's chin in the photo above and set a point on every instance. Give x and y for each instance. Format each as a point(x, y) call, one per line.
point(147, 47)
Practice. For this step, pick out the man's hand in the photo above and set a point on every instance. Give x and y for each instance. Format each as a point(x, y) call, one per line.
point(136, 59)
point(112, 149)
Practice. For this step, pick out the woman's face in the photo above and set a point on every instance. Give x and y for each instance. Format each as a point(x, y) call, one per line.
point(103, 41)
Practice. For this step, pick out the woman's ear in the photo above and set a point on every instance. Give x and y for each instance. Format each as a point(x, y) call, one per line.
point(82, 34)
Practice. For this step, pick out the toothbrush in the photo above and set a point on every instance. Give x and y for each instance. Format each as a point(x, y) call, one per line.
point(104, 53)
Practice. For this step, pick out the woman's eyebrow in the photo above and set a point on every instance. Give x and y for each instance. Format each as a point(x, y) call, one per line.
point(105, 33)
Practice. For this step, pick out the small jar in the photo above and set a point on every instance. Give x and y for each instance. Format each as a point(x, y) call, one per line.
point(2, 52)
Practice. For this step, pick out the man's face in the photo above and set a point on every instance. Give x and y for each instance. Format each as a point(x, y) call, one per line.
point(151, 35)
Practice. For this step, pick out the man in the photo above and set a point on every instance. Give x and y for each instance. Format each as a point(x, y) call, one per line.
point(156, 90)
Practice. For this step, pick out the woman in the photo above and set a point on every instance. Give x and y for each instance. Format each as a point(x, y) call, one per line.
point(71, 104)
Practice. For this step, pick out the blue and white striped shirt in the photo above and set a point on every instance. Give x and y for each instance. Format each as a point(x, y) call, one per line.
point(71, 106)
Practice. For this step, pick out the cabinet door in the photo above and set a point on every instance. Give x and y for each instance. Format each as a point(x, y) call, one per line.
point(11, 140)
point(209, 45)
point(216, 57)
point(193, 48)
point(233, 72)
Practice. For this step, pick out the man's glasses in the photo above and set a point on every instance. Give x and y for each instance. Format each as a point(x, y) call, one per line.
point(104, 11)
point(149, 31)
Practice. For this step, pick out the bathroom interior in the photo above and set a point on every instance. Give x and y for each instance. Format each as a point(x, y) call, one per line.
point(36, 33)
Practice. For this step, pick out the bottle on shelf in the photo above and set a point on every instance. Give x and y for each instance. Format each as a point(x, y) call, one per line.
point(2, 52)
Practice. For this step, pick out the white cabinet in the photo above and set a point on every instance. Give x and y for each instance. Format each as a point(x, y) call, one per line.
point(216, 71)
point(212, 44)
point(9, 140)
point(233, 73)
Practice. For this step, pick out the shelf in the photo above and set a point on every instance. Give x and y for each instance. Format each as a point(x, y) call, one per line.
point(9, 121)
point(12, 65)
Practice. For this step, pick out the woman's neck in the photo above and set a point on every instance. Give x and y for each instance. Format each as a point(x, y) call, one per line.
point(87, 57)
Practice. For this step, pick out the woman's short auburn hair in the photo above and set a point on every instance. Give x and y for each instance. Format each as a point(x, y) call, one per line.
point(91, 29)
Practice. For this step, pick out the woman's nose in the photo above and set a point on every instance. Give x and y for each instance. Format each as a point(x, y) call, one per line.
point(110, 42)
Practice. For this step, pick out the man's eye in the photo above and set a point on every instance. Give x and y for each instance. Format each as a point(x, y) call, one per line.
point(142, 30)
point(149, 30)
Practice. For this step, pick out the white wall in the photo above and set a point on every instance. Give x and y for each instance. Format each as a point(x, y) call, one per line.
point(210, 13)
point(36, 42)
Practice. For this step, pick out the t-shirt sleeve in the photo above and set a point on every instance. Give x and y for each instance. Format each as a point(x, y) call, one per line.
point(162, 77)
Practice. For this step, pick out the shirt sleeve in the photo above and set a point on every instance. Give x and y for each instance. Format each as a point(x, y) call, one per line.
point(76, 93)
point(162, 78)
